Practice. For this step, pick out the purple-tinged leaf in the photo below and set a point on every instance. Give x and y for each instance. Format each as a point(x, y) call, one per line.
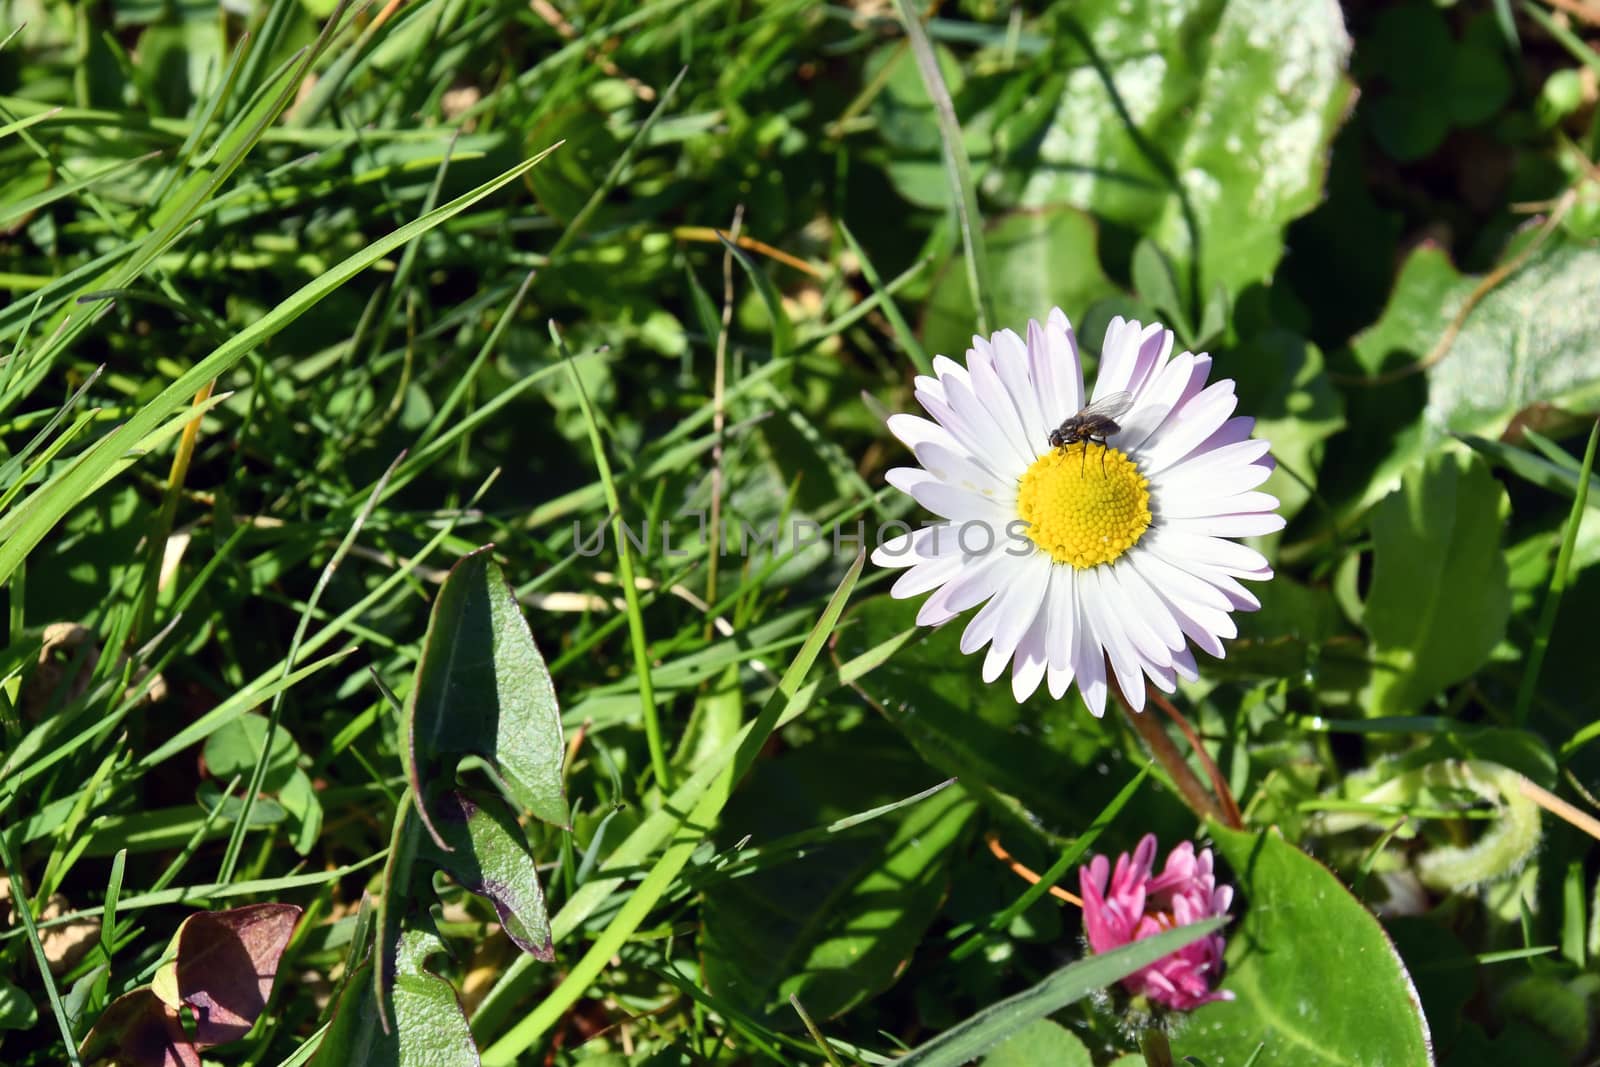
point(482, 689)
point(227, 962)
point(138, 1030)
point(489, 855)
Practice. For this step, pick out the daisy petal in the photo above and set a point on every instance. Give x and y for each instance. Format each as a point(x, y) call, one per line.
point(991, 392)
point(1031, 579)
point(1063, 345)
point(1148, 607)
point(925, 577)
point(1030, 666)
point(1249, 524)
point(978, 439)
point(1010, 575)
point(1011, 363)
point(947, 501)
point(1088, 658)
point(1155, 403)
point(1188, 426)
point(1110, 631)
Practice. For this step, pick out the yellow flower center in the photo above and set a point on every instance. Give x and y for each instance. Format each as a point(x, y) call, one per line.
point(1085, 504)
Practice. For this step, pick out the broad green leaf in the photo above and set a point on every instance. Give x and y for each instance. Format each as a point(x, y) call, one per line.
point(1440, 595)
point(1283, 385)
point(1207, 150)
point(1313, 975)
point(482, 689)
point(399, 884)
point(264, 812)
point(835, 924)
point(429, 1029)
point(1433, 82)
point(973, 1037)
point(1155, 280)
point(299, 799)
point(1410, 44)
point(16, 1008)
point(1037, 260)
point(1529, 340)
point(1040, 1042)
point(489, 855)
point(233, 748)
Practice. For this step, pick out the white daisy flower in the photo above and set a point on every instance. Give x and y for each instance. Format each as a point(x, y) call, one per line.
point(1114, 545)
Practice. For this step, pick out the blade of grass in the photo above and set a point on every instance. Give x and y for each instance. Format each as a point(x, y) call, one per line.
point(8, 471)
point(16, 518)
point(18, 208)
point(265, 684)
point(1558, 584)
point(24, 763)
point(24, 910)
point(618, 167)
point(171, 218)
point(108, 921)
point(782, 329)
point(458, 392)
point(871, 303)
point(51, 502)
point(176, 476)
point(749, 859)
point(719, 405)
point(630, 590)
point(968, 1040)
point(201, 894)
point(958, 168)
point(230, 856)
point(902, 329)
point(811, 1028)
point(32, 120)
point(1563, 34)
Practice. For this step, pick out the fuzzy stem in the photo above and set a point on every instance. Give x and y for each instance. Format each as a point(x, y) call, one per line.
point(1153, 1043)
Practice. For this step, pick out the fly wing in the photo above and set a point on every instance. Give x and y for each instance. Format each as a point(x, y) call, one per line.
point(1111, 406)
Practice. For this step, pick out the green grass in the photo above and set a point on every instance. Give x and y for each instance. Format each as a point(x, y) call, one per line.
point(304, 305)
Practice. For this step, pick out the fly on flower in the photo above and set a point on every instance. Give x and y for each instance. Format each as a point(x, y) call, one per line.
point(1093, 424)
point(1092, 527)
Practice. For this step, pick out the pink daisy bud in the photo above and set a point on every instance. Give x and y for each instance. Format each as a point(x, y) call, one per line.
point(1138, 903)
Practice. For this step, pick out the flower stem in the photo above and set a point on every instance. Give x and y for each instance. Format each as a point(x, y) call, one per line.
point(1166, 753)
point(1153, 1043)
point(1219, 785)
